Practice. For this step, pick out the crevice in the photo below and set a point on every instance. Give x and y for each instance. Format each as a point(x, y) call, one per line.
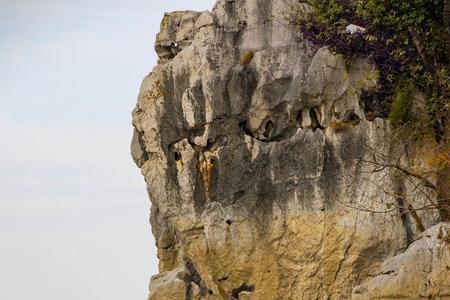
point(167, 247)
point(243, 288)
point(194, 277)
point(285, 134)
point(399, 191)
point(197, 132)
point(200, 129)
point(351, 116)
point(299, 119)
point(315, 124)
point(177, 155)
point(268, 128)
point(244, 129)
point(223, 278)
point(218, 142)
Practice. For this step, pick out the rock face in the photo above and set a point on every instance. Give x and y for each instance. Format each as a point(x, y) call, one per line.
point(252, 142)
point(422, 272)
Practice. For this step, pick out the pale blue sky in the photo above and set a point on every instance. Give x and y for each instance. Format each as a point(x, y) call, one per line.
point(73, 207)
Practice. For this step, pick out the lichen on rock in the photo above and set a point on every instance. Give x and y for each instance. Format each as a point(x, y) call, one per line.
point(253, 190)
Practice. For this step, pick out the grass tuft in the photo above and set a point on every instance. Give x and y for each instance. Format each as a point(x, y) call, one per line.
point(341, 126)
point(247, 58)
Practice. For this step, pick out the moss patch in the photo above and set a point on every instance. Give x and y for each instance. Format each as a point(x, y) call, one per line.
point(247, 57)
point(400, 111)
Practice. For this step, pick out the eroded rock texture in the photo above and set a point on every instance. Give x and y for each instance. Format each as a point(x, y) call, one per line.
point(255, 192)
point(421, 272)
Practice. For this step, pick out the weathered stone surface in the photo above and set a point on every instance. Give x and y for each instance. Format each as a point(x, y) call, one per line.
point(421, 272)
point(169, 286)
point(255, 195)
point(177, 30)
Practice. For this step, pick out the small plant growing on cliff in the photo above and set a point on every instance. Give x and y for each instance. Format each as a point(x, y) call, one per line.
point(400, 112)
point(247, 58)
point(341, 126)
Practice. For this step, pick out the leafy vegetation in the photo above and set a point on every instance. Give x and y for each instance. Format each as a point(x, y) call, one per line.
point(408, 40)
point(400, 113)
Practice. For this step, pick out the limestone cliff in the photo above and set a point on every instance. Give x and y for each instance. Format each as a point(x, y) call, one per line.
point(254, 145)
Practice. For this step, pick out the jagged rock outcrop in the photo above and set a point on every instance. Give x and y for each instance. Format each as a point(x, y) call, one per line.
point(256, 192)
point(421, 272)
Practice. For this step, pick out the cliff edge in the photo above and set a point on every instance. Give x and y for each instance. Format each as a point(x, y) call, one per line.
point(259, 158)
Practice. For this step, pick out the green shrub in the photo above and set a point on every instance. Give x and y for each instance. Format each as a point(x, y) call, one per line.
point(407, 40)
point(400, 111)
point(409, 125)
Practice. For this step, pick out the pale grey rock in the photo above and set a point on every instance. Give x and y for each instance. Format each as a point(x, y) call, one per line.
point(253, 190)
point(205, 19)
point(177, 31)
point(168, 286)
point(421, 272)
